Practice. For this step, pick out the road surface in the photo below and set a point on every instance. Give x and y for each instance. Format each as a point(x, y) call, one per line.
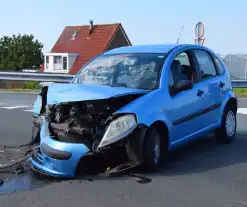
point(202, 174)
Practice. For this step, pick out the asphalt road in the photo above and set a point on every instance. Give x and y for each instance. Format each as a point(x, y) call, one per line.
point(201, 174)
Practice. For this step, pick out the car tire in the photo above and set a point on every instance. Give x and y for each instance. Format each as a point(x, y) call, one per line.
point(227, 132)
point(152, 150)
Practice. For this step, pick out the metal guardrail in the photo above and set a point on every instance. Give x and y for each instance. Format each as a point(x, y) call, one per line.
point(66, 78)
point(40, 77)
point(239, 83)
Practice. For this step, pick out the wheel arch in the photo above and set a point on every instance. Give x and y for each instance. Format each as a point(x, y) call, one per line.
point(229, 100)
point(232, 103)
point(163, 131)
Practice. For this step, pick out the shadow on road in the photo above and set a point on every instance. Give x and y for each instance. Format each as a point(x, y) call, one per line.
point(205, 155)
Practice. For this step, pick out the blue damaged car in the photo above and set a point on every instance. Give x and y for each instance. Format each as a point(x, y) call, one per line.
point(132, 105)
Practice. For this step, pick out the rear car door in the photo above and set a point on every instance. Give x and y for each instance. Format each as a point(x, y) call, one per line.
point(212, 85)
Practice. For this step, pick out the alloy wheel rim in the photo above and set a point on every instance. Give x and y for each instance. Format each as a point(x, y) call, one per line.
point(230, 123)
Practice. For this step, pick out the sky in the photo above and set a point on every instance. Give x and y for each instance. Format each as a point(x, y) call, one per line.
point(145, 22)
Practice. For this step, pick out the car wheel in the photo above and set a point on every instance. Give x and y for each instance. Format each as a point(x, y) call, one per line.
point(227, 132)
point(152, 150)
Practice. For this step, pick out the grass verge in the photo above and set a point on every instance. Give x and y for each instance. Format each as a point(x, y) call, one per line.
point(21, 90)
point(241, 92)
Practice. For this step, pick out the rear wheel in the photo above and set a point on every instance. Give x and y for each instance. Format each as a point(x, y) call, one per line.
point(152, 150)
point(227, 132)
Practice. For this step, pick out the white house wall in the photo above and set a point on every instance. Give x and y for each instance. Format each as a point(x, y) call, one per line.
point(70, 61)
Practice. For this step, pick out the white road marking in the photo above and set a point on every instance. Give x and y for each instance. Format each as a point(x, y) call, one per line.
point(30, 110)
point(240, 202)
point(14, 107)
point(242, 110)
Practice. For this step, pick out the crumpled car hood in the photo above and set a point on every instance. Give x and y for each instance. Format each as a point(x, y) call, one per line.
point(59, 93)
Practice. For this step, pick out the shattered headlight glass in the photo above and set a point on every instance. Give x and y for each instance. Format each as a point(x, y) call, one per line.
point(118, 129)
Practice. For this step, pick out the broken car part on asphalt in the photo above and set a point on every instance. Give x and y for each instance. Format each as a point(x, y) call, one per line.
point(30, 152)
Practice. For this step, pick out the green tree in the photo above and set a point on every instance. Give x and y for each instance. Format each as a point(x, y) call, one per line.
point(20, 52)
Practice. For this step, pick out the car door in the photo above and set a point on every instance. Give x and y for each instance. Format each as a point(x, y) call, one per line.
point(212, 85)
point(184, 107)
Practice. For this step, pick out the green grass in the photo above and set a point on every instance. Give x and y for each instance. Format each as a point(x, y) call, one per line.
point(22, 90)
point(241, 92)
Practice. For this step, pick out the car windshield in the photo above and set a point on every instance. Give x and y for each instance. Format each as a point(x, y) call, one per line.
point(140, 71)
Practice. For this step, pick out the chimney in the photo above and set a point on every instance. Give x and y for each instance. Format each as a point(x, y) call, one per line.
point(91, 25)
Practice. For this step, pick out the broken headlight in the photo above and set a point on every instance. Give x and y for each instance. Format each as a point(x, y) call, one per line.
point(118, 129)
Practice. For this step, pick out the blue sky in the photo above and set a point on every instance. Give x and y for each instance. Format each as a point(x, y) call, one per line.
point(146, 22)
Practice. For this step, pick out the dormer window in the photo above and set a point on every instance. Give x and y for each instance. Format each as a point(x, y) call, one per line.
point(74, 34)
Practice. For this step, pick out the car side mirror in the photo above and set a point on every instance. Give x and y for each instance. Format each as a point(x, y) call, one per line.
point(182, 85)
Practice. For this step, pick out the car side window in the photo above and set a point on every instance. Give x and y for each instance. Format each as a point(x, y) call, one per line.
point(181, 69)
point(219, 66)
point(206, 65)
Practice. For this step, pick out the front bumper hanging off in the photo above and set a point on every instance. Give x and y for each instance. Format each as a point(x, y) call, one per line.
point(60, 159)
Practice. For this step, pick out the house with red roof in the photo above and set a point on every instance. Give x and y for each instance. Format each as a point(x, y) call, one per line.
point(79, 44)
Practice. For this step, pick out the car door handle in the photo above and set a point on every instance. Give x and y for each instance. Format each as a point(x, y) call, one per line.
point(221, 85)
point(199, 93)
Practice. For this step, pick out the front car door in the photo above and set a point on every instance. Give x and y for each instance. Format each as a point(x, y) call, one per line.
point(212, 84)
point(184, 107)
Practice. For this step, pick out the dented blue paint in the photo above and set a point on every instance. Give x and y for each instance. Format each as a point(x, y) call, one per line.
point(59, 93)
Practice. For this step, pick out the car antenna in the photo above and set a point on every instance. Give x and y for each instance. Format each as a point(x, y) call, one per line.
point(180, 34)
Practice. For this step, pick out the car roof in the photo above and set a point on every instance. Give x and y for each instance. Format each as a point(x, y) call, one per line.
point(158, 48)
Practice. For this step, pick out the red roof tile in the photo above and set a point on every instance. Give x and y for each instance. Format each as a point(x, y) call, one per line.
point(85, 44)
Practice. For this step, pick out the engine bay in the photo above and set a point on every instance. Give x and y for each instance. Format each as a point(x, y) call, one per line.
point(84, 122)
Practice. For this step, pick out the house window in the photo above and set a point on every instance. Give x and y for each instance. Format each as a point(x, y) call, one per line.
point(57, 59)
point(64, 63)
point(47, 59)
point(74, 34)
point(57, 63)
point(47, 62)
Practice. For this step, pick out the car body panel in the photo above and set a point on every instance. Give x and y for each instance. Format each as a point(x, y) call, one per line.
point(186, 115)
point(59, 93)
point(227, 96)
point(54, 167)
point(184, 104)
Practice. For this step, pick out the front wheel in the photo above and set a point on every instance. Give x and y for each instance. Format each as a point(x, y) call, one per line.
point(227, 132)
point(152, 150)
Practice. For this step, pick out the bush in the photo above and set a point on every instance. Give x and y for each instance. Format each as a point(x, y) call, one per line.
point(31, 85)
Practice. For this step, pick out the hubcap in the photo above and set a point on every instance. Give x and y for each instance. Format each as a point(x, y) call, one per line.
point(156, 149)
point(230, 123)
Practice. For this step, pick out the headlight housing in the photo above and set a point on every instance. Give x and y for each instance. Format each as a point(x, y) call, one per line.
point(118, 129)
